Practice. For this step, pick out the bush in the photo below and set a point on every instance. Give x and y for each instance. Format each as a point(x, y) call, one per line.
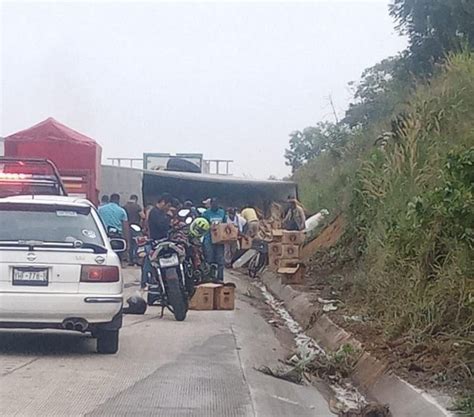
point(410, 208)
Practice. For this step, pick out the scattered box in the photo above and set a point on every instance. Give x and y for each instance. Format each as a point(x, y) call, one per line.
point(224, 232)
point(213, 296)
point(292, 273)
point(245, 243)
point(290, 251)
point(274, 249)
point(274, 263)
point(203, 298)
point(277, 235)
point(292, 238)
point(224, 297)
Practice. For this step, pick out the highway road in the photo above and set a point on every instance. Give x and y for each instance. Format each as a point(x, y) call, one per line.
point(203, 367)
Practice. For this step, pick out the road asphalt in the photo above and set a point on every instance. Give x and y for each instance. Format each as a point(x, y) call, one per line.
point(202, 367)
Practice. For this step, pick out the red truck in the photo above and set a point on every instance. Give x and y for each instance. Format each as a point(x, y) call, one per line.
point(76, 156)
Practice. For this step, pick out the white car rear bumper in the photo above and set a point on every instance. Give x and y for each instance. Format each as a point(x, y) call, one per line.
point(55, 308)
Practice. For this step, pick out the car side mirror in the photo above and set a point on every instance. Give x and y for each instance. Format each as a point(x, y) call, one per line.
point(118, 245)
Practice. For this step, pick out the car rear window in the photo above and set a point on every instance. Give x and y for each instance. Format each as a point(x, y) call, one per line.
point(8, 189)
point(48, 224)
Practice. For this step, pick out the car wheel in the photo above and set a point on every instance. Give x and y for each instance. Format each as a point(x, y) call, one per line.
point(108, 341)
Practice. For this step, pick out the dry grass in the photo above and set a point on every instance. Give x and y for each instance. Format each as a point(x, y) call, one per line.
point(411, 214)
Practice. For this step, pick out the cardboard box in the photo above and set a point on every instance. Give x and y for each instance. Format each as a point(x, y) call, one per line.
point(275, 249)
point(290, 251)
point(292, 238)
point(224, 297)
point(245, 243)
point(274, 263)
point(203, 298)
point(277, 235)
point(292, 273)
point(224, 232)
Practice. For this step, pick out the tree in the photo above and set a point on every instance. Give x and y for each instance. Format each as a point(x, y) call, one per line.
point(313, 141)
point(434, 28)
point(379, 90)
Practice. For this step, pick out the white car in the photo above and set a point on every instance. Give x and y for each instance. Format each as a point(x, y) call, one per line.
point(58, 268)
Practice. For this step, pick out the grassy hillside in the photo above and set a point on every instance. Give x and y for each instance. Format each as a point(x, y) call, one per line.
point(409, 203)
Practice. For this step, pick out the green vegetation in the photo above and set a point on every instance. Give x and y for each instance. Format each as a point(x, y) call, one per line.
point(401, 170)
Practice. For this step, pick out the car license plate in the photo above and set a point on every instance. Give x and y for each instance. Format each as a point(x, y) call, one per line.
point(30, 276)
point(169, 262)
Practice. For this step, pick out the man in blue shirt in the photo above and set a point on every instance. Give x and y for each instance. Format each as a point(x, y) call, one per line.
point(114, 216)
point(214, 252)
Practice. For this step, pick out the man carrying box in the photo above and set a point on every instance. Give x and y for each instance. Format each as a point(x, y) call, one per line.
point(214, 252)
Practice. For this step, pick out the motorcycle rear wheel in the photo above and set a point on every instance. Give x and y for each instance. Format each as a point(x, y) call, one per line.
point(176, 297)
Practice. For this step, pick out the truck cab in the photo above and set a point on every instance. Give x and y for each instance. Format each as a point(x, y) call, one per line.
point(29, 176)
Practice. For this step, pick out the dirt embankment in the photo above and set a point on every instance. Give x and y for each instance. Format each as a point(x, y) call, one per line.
point(329, 281)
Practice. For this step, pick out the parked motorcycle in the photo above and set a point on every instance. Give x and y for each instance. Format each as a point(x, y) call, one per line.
point(170, 285)
point(138, 239)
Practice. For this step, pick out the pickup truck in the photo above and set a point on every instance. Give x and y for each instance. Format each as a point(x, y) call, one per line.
point(29, 176)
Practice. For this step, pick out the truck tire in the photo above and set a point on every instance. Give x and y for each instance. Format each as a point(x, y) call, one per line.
point(176, 297)
point(108, 341)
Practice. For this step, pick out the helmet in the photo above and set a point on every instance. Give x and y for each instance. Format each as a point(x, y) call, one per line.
point(199, 227)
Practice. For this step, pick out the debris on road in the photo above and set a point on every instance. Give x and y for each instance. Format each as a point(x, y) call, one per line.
point(136, 305)
point(309, 356)
point(294, 374)
point(369, 410)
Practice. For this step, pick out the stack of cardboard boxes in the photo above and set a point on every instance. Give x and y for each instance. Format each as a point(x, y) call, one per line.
point(213, 296)
point(284, 256)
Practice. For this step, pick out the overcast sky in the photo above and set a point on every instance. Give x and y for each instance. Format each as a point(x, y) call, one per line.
point(229, 80)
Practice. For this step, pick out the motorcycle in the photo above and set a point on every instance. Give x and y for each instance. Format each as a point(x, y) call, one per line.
point(169, 285)
point(138, 240)
point(197, 268)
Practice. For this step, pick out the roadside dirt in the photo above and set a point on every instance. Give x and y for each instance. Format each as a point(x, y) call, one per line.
point(329, 276)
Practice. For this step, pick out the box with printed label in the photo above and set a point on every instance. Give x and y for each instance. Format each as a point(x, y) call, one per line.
point(224, 297)
point(274, 249)
point(203, 298)
point(273, 262)
point(293, 273)
point(224, 232)
point(292, 238)
point(290, 251)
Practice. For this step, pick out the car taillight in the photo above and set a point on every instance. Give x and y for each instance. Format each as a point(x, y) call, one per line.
point(93, 273)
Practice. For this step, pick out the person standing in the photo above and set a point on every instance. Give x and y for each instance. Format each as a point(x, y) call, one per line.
point(249, 214)
point(114, 217)
point(104, 200)
point(159, 221)
point(135, 216)
point(214, 252)
point(158, 226)
point(295, 218)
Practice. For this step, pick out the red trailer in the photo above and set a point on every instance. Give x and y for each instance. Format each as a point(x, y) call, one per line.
point(76, 156)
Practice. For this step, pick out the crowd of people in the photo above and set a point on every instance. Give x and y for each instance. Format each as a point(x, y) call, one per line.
point(157, 220)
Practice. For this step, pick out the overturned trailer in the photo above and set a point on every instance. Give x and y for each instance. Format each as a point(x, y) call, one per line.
point(232, 191)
